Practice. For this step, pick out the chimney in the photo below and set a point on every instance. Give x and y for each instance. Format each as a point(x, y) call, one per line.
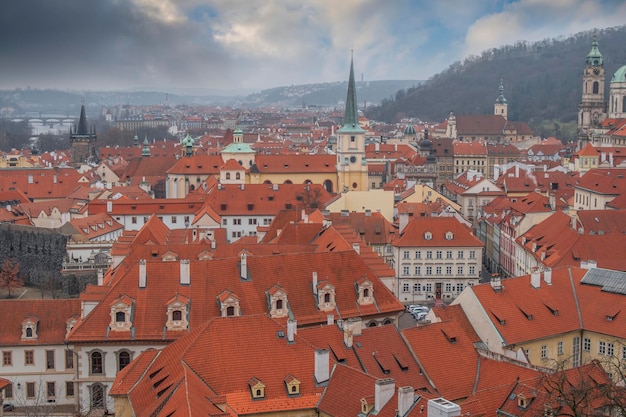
point(243, 267)
point(292, 330)
point(142, 273)
point(351, 328)
point(496, 283)
point(406, 398)
point(109, 206)
point(588, 264)
point(357, 248)
point(574, 222)
point(440, 407)
point(213, 244)
point(535, 278)
point(185, 276)
point(383, 391)
point(547, 276)
point(321, 366)
point(516, 171)
point(100, 277)
point(314, 282)
point(330, 319)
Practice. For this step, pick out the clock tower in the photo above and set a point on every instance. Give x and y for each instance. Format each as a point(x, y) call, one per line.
point(351, 162)
point(592, 108)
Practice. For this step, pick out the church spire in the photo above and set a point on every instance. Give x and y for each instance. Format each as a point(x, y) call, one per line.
point(351, 116)
point(83, 128)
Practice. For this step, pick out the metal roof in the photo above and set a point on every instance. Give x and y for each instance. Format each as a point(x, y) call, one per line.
point(609, 280)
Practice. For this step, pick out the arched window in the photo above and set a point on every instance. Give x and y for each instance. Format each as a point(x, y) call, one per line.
point(96, 363)
point(366, 292)
point(258, 393)
point(288, 182)
point(123, 359)
point(328, 186)
point(279, 304)
point(29, 332)
point(373, 324)
point(596, 87)
point(623, 104)
point(97, 396)
point(294, 389)
point(228, 175)
point(230, 311)
point(327, 297)
point(177, 315)
point(238, 175)
point(120, 317)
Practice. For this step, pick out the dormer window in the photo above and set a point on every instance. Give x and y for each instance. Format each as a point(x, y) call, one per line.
point(278, 302)
point(121, 310)
point(69, 325)
point(326, 296)
point(228, 304)
point(449, 235)
point(257, 389)
point(177, 313)
point(292, 385)
point(428, 236)
point(365, 290)
point(29, 328)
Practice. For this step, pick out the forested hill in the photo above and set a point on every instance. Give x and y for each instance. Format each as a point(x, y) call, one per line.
point(542, 81)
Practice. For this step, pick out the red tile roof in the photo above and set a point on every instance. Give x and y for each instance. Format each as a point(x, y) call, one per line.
point(414, 234)
point(51, 314)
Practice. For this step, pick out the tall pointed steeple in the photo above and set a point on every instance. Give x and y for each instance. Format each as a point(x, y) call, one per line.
point(351, 116)
point(352, 172)
point(82, 140)
point(83, 128)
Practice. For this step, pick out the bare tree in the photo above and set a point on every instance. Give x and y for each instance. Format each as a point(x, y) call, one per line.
point(9, 276)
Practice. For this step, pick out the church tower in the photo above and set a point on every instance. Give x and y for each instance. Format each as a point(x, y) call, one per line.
point(500, 108)
point(592, 108)
point(82, 141)
point(351, 162)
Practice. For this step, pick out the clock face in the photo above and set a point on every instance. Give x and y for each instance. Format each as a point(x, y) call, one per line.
point(596, 71)
point(353, 159)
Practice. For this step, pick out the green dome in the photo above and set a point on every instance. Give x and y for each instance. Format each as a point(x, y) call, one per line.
point(620, 75)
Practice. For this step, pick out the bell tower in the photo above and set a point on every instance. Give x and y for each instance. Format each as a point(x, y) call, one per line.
point(82, 141)
point(501, 107)
point(592, 108)
point(351, 162)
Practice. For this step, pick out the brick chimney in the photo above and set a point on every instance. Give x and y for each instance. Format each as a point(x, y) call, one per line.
point(406, 397)
point(142, 273)
point(292, 330)
point(321, 366)
point(383, 391)
point(243, 266)
point(185, 275)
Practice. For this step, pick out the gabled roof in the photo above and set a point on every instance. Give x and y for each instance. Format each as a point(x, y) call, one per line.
point(91, 227)
point(186, 366)
point(578, 306)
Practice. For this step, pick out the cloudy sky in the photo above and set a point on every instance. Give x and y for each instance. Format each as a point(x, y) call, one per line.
point(231, 45)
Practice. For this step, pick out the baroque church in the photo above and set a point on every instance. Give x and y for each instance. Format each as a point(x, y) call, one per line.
point(601, 123)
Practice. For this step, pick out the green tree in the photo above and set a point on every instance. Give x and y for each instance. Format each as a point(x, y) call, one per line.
point(10, 276)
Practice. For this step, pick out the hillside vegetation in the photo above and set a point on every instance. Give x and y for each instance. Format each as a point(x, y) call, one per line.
point(542, 82)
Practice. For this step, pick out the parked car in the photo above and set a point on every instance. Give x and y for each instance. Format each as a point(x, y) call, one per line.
point(7, 407)
point(416, 307)
point(421, 315)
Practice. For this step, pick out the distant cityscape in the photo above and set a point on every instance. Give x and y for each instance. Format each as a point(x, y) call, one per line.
point(197, 256)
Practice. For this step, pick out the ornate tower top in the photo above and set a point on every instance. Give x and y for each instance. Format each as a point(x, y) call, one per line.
point(501, 99)
point(594, 57)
